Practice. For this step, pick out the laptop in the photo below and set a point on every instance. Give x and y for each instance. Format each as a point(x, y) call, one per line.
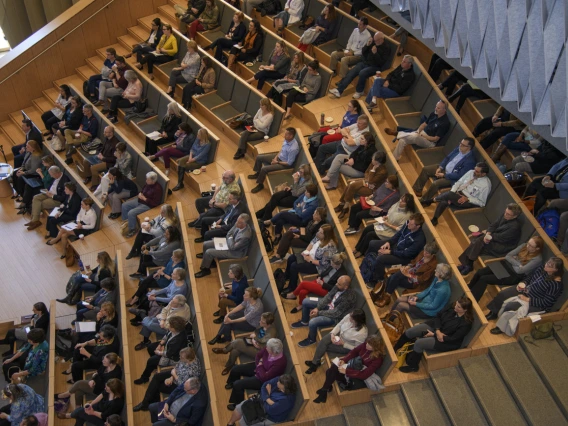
point(499, 270)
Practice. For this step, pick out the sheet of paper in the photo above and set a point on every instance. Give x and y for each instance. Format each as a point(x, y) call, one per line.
point(54, 212)
point(535, 318)
point(70, 226)
point(336, 361)
point(220, 244)
point(86, 326)
point(154, 135)
point(156, 53)
point(314, 299)
point(403, 134)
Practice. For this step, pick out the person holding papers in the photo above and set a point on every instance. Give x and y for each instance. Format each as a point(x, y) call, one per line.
point(233, 247)
point(65, 213)
point(49, 199)
point(35, 185)
point(236, 33)
point(157, 252)
point(166, 50)
point(220, 227)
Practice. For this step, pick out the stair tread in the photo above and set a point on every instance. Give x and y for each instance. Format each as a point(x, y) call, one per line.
point(391, 409)
point(138, 32)
point(35, 115)
point(337, 420)
point(527, 388)
point(52, 93)
point(424, 405)
point(128, 39)
point(146, 21)
point(361, 415)
point(457, 397)
point(43, 104)
point(562, 334)
point(85, 71)
point(13, 132)
point(120, 50)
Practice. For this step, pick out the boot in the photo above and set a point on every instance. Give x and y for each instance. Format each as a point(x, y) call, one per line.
point(412, 362)
point(385, 300)
point(499, 151)
point(181, 174)
point(339, 207)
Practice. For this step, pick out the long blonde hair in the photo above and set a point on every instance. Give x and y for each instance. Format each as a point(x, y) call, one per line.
point(106, 262)
point(268, 104)
point(170, 216)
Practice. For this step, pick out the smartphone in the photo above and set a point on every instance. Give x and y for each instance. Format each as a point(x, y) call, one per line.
point(84, 303)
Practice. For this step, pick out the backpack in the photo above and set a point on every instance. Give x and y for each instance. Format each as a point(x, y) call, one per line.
point(314, 141)
point(93, 145)
point(367, 267)
point(280, 279)
point(266, 238)
point(549, 220)
point(63, 348)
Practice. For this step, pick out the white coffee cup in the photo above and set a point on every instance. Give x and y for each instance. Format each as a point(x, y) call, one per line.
point(266, 137)
point(203, 168)
point(521, 286)
point(146, 219)
point(213, 187)
point(488, 237)
point(81, 236)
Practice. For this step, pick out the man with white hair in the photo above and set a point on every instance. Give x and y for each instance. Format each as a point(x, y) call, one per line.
point(186, 404)
point(51, 199)
point(150, 197)
point(100, 162)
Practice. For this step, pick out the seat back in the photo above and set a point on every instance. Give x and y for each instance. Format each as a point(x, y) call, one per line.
point(344, 29)
point(392, 53)
point(240, 96)
point(226, 85)
point(153, 96)
point(226, 16)
point(182, 48)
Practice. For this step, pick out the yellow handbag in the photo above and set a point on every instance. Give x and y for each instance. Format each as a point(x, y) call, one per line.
point(402, 352)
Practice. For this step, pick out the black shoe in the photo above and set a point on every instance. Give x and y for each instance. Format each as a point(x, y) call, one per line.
point(142, 345)
point(254, 176)
point(140, 407)
point(408, 369)
point(321, 399)
point(141, 381)
point(132, 255)
point(313, 368)
point(231, 407)
point(69, 161)
point(294, 310)
point(238, 155)
point(219, 320)
point(193, 223)
point(434, 221)
point(214, 340)
point(216, 313)
point(496, 330)
point(178, 187)
point(427, 203)
point(136, 275)
point(257, 188)
point(65, 300)
point(199, 255)
point(199, 240)
point(490, 316)
point(203, 273)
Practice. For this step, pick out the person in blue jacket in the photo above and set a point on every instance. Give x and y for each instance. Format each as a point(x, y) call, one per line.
point(187, 403)
point(278, 396)
point(232, 294)
point(428, 303)
point(456, 164)
point(550, 187)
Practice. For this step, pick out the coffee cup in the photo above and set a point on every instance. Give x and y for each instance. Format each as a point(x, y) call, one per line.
point(203, 168)
point(87, 267)
point(213, 187)
point(488, 237)
point(81, 236)
point(266, 137)
point(146, 219)
point(378, 73)
point(521, 286)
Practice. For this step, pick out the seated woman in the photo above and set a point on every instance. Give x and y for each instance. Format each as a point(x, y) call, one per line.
point(523, 141)
point(162, 297)
point(429, 302)
point(278, 397)
point(353, 165)
point(55, 115)
point(148, 198)
point(92, 280)
point(300, 237)
point(110, 401)
point(417, 275)
point(183, 143)
point(67, 211)
point(316, 259)
point(88, 308)
point(519, 264)
point(261, 126)
point(384, 197)
point(159, 322)
point(128, 98)
point(441, 334)
point(32, 162)
point(466, 91)
point(30, 360)
point(249, 49)
point(166, 50)
point(287, 82)
point(157, 252)
point(303, 209)
point(71, 120)
point(307, 88)
point(40, 320)
point(197, 157)
point(250, 345)
point(245, 317)
point(106, 315)
point(349, 333)
point(269, 363)
point(231, 294)
point(168, 128)
point(235, 34)
point(550, 187)
point(165, 352)
point(123, 163)
point(291, 14)
point(31, 191)
point(395, 219)
point(208, 20)
point(166, 381)
point(539, 292)
point(290, 193)
point(351, 115)
point(23, 402)
point(371, 353)
point(203, 83)
point(325, 281)
point(151, 42)
point(322, 31)
point(187, 71)
point(150, 229)
point(120, 188)
point(110, 369)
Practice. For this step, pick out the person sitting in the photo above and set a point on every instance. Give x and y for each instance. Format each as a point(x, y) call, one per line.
point(19, 151)
point(150, 44)
point(197, 158)
point(539, 293)
point(300, 237)
point(552, 186)
point(378, 204)
point(187, 70)
point(316, 259)
point(371, 353)
point(250, 345)
point(203, 83)
point(50, 199)
point(538, 160)
point(466, 91)
point(497, 240)
point(166, 50)
point(86, 222)
point(398, 250)
point(208, 20)
point(291, 14)
point(165, 352)
point(116, 85)
point(37, 419)
point(55, 115)
point(351, 115)
point(110, 401)
point(250, 47)
point(71, 120)
point(269, 363)
point(285, 79)
point(491, 129)
point(323, 29)
point(30, 360)
point(87, 131)
point(396, 84)
point(45, 180)
point(88, 308)
point(148, 198)
point(194, 400)
point(519, 264)
point(100, 162)
point(416, 276)
point(168, 128)
point(123, 163)
point(218, 228)
point(106, 71)
point(121, 188)
point(23, 402)
point(261, 126)
point(307, 89)
point(67, 211)
point(470, 191)
point(431, 130)
point(110, 369)
point(157, 252)
point(352, 54)
point(444, 333)
point(106, 315)
point(232, 294)
point(189, 15)
point(327, 311)
point(183, 143)
point(277, 64)
point(245, 317)
point(40, 320)
point(235, 34)
point(28, 170)
point(167, 381)
point(159, 324)
point(128, 98)
point(278, 397)
point(150, 229)
point(267, 163)
point(457, 163)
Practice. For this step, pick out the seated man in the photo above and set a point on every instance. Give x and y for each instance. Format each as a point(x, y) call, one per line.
point(238, 241)
point(497, 240)
point(105, 75)
point(375, 54)
point(397, 82)
point(458, 162)
point(87, 131)
point(351, 140)
point(430, 131)
point(470, 191)
point(353, 51)
point(102, 161)
point(327, 311)
point(285, 159)
point(32, 133)
point(116, 85)
point(550, 187)
point(51, 199)
point(148, 198)
point(496, 126)
point(187, 404)
point(225, 222)
point(214, 205)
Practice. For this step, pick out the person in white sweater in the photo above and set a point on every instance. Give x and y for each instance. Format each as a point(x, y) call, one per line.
point(261, 126)
point(351, 55)
point(349, 333)
point(291, 14)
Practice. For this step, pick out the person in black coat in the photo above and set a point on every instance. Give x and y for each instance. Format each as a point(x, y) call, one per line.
point(235, 35)
point(32, 134)
point(67, 213)
point(72, 118)
point(40, 319)
point(151, 42)
point(48, 200)
point(250, 47)
point(223, 224)
point(192, 412)
point(168, 128)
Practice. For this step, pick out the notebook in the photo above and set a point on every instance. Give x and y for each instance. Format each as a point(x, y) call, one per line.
point(498, 270)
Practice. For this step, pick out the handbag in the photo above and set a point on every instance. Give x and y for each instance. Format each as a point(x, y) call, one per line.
point(69, 256)
point(374, 382)
point(71, 283)
point(253, 410)
point(281, 187)
point(395, 327)
point(166, 362)
point(355, 363)
point(140, 105)
point(309, 36)
point(529, 202)
point(402, 352)
point(543, 331)
point(364, 204)
point(239, 121)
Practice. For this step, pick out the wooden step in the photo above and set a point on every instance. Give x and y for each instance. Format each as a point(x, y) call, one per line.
point(43, 104)
point(168, 12)
point(120, 50)
point(361, 415)
point(84, 72)
point(424, 405)
point(13, 132)
point(146, 22)
point(51, 94)
point(391, 409)
point(138, 32)
point(127, 41)
point(338, 420)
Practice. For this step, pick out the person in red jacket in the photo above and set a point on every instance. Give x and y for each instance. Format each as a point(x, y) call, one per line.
point(371, 353)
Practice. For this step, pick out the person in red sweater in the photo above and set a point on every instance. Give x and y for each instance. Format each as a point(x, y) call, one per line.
point(270, 362)
point(371, 353)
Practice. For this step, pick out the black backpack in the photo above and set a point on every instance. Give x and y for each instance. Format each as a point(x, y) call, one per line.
point(266, 238)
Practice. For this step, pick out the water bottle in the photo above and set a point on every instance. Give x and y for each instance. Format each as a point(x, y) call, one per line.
point(81, 267)
point(322, 118)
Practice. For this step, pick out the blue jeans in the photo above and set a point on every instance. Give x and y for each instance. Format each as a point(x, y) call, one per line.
point(285, 218)
point(152, 325)
point(509, 142)
point(380, 92)
point(130, 210)
point(362, 70)
point(84, 285)
point(314, 323)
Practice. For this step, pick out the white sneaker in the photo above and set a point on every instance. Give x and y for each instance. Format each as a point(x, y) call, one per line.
point(357, 95)
point(167, 172)
point(335, 93)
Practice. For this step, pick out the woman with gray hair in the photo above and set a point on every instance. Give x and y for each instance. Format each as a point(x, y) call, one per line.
point(428, 303)
point(150, 197)
point(131, 94)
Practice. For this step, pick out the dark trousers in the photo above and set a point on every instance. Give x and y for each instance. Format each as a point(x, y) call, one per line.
point(117, 102)
point(140, 50)
point(265, 75)
point(29, 194)
point(139, 241)
point(446, 198)
point(12, 367)
point(152, 363)
point(384, 260)
point(146, 261)
point(93, 83)
point(294, 96)
point(357, 214)
point(542, 193)
point(495, 134)
point(285, 218)
point(288, 241)
point(151, 60)
point(293, 268)
point(218, 232)
point(450, 83)
point(497, 303)
point(176, 78)
point(49, 119)
point(464, 92)
point(280, 198)
point(152, 146)
point(6, 409)
point(221, 44)
point(202, 204)
point(82, 418)
point(242, 377)
point(144, 286)
point(225, 329)
point(333, 375)
point(367, 236)
point(190, 90)
point(437, 65)
point(476, 248)
point(398, 280)
point(18, 158)
point(52, 223)
point(80, 364)
point(484, 277)
point(157, 386)
point(247, 136)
